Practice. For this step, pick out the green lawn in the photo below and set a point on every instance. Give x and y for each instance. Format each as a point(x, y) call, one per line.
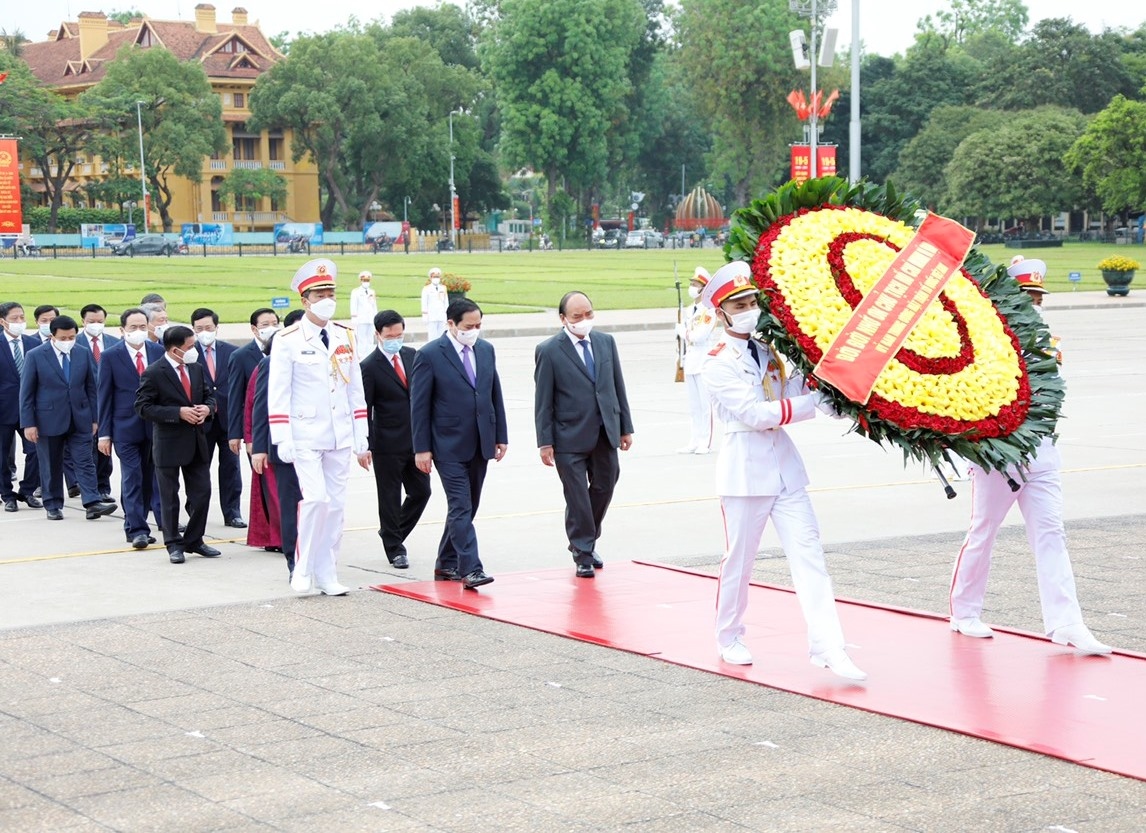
point(506, 282)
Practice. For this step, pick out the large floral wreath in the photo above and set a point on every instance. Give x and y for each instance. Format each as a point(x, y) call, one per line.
point(974, 376)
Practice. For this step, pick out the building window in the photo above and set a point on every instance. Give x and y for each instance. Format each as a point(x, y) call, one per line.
point(244, 148)
point(239, 99)
point(145, 39)
point(275, 148)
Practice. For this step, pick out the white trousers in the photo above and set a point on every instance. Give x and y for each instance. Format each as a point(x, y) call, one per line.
point(322, 477)
point(1040, 501)
point(699, 410)
point(364, 339)
point(744, 521)
point(435, 329)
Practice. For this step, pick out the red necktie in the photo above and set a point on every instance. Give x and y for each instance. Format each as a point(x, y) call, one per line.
point(398, 369)
point(186, 381)
point(210, 361)
point(95, 349)
point(139, 363)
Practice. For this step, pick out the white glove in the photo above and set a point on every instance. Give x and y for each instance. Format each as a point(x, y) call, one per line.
point(286, 451)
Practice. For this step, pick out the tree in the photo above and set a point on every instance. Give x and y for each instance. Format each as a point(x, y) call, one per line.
point(446, 28)
point(965, 18)
point(923, 162)
point(13, 42)
point(182, 118)
point(1111, 155)
point(1016, 170)
point(252, 185)
point(126, 16)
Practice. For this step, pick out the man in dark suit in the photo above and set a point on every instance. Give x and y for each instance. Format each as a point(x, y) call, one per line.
point(176, 397)
point(385, 381)
point(93, 317)
point(214, 357)
point(58, 411)
point(458, 420)
point(264, 324)
point(13, 356)
point(120, 427)
point(582, 416)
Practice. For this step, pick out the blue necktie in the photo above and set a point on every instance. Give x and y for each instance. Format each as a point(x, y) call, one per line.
point(18, 356)
point(590, 365)
point(755, 351)
point(67, 365)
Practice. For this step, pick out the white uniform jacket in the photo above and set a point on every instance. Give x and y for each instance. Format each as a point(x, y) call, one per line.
point(757, 457)
point(699, 335)
point(314, 393)
point(435, 299)
point(363, 305)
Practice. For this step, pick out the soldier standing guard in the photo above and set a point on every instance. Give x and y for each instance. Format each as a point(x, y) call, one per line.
point(317, 416)
point(759, 475)
point(435, 300)
point(698, 334)
point(363, 308)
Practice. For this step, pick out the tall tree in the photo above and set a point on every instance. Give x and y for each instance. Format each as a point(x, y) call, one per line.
point(964, 18)
point(923, 162)
point(446, 27)
point(182, 118)
point(1111, 156)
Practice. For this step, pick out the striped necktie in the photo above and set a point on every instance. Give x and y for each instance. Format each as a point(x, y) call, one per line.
point(18, 355)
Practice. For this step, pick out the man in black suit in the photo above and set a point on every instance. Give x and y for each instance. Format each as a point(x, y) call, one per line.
point(215, 357)
point(13, 355)
point(175, 395)
point(264, 324)
point(458, 420)
point(94, 338)
point(385, 383)
point(582, 416)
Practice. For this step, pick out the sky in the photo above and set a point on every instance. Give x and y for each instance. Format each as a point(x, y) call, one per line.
point(885, 28)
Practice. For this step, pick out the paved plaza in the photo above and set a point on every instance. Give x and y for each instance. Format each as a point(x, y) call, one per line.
point(136, 695)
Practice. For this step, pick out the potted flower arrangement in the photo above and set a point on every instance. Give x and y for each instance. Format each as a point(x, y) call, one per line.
point(456, 285)
point(1118, 272)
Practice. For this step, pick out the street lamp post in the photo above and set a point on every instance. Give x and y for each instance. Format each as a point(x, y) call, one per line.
point(453, 190)
point(130, 211)
point(142, 170)
point(405, 210)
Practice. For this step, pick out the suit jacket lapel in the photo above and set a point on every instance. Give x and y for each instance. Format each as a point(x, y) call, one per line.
point(454, 358)
point(566, 347)
point(173, 379)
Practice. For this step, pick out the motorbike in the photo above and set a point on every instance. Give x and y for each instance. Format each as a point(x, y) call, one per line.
point(546, 243)
point(381, 244)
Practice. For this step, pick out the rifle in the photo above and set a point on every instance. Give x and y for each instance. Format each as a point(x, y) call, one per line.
point(679, 320)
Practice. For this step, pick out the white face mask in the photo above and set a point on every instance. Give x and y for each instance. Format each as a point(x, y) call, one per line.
point(324, 309)
point(17, 328)
point(160, 329)
point(694, 292)
point(65, 347)
point(265, 333)
point(467, 337)
point(435, 281)
point(191, 356)
point(94, 329)
point(365, 284)
point(744, 323)
point(206, 338)
point(135, 338)
point(580, 328)
point(45, 330)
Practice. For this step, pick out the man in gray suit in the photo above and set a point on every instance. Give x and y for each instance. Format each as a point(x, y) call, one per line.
point(582, 417)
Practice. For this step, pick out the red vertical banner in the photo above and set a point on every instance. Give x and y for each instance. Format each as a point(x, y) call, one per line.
point(11, 220)
point(457, 217)
point(801, 162)
point(826, 160)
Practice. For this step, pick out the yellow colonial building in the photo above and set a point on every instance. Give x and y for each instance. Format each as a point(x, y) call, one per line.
point(233, 55)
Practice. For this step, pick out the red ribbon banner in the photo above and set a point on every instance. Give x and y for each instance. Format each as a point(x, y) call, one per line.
point(885, 317)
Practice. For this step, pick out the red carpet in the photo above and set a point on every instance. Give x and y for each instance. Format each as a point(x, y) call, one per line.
point(1017, 688)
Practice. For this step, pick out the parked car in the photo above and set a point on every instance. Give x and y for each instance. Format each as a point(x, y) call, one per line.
point(644, 239)
point(146, 244)
point(611, 239)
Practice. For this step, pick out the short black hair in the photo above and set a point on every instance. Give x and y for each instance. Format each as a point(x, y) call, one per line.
point(8, 306)
point(293, 317)
point(91, 308)
point(176, 335)
point(40, 310)
point(130, 311)
point(388, 318)
point(152, 298)
point(259, 313)
point(63, 322)
point(203, 312)
point(459, 307)
point(565, 300)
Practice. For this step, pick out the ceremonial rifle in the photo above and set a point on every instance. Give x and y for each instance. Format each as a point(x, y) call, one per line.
point(679, 321)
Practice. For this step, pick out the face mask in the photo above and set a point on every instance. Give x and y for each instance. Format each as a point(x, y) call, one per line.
point(265, 333)
point(390, 346)
point(65, 347)
point(206, 338)
point(365, 284)
point(694, 292)
point(581, 328)
point(190, 357)
point(435, 281)
point(135, 338)
point(45, 330)
point(324, 309)
point(16, 328)
point(744, 323)
point(94, 329)
point(467, 337)
point(160, 329)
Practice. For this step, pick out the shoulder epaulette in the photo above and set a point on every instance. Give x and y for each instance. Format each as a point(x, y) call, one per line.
point(293, 328)
point(715, 350)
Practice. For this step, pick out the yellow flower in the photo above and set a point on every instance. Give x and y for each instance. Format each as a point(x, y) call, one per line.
point(1118, 263)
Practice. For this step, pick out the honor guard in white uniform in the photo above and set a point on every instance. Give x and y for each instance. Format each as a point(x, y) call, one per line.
point(317, 416)
point(363, 308)
point(1040, 500)
point(699, 334)
point(759, 475)
point(435, 299)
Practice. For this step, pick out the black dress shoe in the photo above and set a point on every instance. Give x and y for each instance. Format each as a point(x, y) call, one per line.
point(399, 562)
point(10, 505)
point(73, 491)
point(447, 575)
point(176, 556)
point(55, 515)
point(32, 501)
point(585, 571)
point(237, 523)
point(476, 579)
point(100, 508)
point(597, 562)
point(272, 549)
point(205, 551)
point(140, 542)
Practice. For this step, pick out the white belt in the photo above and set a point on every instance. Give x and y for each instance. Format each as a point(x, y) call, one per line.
point(742, 428)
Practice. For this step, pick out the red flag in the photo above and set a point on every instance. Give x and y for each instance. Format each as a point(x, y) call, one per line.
point(3, 76)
